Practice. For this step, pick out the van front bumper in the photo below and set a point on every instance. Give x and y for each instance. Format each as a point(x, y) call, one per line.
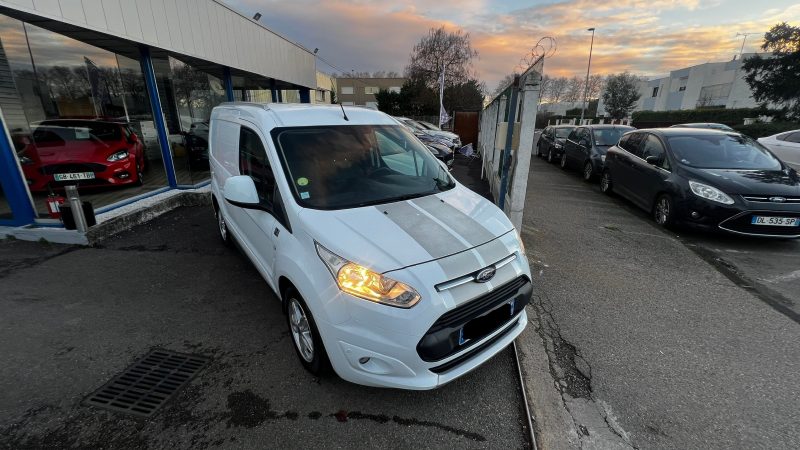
point(432, 355)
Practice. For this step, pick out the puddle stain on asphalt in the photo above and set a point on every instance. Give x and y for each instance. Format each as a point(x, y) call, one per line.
point(344, 416)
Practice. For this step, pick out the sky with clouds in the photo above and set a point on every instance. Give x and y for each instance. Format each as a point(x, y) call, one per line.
point(647, 37)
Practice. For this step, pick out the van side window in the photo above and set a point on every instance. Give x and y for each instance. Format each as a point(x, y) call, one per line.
point(253, 162)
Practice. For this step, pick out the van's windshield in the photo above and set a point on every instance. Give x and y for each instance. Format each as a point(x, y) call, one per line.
point(347, 166)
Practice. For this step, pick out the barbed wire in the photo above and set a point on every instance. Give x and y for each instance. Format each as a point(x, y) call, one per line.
point(545, 47)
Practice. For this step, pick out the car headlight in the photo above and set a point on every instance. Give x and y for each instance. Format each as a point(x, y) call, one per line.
point(521, 243)
point(603, 158)
point(118, 156)
point(24, 160)
point(710, 193)
point(558, 145)
point(361, 282)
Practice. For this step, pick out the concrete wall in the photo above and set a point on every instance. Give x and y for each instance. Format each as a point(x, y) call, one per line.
point(205, 29)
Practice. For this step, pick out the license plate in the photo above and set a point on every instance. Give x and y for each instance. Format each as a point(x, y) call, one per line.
point(775, 221)
point(73, 176)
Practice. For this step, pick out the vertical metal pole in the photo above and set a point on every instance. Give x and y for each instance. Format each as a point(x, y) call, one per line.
point(506, 163)
point(77, 208)
point(586, 84)
point(13, 182)
point(158, 114)
point(226, 73)
point(273, 91)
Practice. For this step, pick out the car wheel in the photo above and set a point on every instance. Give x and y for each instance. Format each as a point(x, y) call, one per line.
point(606, 186)
point(222, 226)
point(663, 211)
point(305, 335)
point(588, 171)
point(550, 156)
point(139, 173)
point(563, 162)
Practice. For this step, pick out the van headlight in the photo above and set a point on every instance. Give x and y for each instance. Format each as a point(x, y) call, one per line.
point(361, 282)
point(710, 193)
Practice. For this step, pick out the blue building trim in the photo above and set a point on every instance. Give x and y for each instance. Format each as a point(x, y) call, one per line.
point(228, 80)
point(305, 95)
point(14, 187)
point(158, 114)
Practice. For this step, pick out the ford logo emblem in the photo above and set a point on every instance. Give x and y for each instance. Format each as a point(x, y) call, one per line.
point(777, 199)
point(485, 275)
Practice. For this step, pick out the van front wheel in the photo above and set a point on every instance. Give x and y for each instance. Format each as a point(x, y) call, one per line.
point(222, 226)
point(305, 335)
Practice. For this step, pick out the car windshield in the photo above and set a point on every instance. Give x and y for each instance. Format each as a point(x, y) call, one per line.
point(606, 137)
point(347, 166)
point(562, 133)
point(55, 134)
point(429, 126)
point(722, 151)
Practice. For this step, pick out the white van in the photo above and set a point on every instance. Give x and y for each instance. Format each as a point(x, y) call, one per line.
point(389, 270)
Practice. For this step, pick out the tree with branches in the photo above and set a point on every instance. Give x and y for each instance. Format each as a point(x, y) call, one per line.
point(776, 79)
point(621, 94)
point(441, 50)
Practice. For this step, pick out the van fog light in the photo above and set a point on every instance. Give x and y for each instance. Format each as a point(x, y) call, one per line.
point(363, 360)
point(695, 215)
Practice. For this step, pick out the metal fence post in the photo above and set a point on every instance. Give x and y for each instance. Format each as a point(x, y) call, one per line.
point(77, 208)
point(506, 161)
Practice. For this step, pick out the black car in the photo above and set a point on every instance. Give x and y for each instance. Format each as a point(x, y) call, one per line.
point(442, 153)
point(586, 147)
point(197, 145)
point(551, 141)
point(706, 178)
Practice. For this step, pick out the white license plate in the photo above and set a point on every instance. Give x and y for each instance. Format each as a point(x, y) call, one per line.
point(775, 221)
point(74, 176)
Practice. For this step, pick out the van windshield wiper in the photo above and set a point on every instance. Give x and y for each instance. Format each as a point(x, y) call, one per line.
point(399, 198)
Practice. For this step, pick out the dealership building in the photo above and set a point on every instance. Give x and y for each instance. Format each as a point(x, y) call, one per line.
point(114, 96)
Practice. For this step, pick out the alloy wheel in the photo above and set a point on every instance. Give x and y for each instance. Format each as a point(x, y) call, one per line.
point(564, 160)
point(588, 170)
point(301, 330)
point(663, 211)
point(605, 182)
point(550, 155)
point(223, 227)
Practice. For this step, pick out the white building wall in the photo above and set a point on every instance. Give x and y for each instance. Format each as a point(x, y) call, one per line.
point(182, 26)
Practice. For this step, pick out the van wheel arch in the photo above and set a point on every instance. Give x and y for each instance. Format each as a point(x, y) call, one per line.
point(284, 284)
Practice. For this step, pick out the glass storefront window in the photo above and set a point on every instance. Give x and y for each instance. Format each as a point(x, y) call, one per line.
point(77, 115)
point(187, 96)
point(249, 89)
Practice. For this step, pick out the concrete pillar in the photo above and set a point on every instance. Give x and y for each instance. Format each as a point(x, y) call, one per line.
point(518, 184)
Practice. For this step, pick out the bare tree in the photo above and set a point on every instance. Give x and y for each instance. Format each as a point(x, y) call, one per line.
point(439, 51)
point(596, 83)
point(557, 89)
point(503, 84)
point(574, 91)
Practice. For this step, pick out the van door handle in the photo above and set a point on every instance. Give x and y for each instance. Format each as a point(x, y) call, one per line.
point(276, 232)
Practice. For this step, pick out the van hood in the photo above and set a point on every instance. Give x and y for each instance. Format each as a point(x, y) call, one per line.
point(395, 235)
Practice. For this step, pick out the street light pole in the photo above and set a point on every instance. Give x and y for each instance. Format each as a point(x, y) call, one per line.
point(586, 84)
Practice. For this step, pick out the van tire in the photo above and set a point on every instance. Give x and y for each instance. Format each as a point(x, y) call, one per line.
point(302, 331)
point(222, 227)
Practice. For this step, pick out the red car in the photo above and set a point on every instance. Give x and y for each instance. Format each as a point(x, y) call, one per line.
point(83, 152)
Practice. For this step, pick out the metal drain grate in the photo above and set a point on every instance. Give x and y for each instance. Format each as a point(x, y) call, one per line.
point(149, 383)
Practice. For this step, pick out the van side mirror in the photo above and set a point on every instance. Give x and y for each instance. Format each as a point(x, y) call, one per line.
point(653, 160)
point(241, 191)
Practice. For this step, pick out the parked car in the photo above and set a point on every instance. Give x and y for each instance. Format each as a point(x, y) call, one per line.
point(707, 125)
point(387, 268)
point(86, 152)
point(706, 178)
point(451, 139)
point(785, 145)
point(586, 147)
point(551, 141)
point(442, 153)
point(197, 145)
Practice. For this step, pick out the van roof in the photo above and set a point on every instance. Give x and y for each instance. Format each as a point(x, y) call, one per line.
point(304, 114)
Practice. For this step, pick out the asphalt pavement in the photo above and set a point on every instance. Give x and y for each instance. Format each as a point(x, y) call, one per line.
point(656, 339)
point(74, 317)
